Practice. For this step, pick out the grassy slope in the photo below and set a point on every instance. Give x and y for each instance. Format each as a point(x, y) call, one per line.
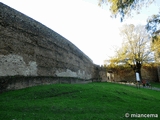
point(155, 84)
point(106, 101)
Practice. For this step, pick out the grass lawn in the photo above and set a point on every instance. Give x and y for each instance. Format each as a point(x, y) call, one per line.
point(155, 84)
point(93, 101)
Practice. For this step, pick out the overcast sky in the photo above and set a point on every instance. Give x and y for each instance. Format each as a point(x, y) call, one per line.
point(82, 22)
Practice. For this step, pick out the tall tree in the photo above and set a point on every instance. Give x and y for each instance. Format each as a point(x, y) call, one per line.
point(155, 45)
point(135, 50)
point(153, 28)
point(125, 8)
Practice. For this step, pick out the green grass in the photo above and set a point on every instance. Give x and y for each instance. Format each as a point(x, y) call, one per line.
point(94, 101)
point(155, 84)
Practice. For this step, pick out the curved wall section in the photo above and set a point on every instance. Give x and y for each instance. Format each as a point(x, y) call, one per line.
point(29, 48)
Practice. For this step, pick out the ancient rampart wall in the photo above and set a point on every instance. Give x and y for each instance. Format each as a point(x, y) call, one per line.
point(148, 73)
point(28, 48)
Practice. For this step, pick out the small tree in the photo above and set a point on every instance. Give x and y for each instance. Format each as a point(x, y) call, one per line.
point(135, 49)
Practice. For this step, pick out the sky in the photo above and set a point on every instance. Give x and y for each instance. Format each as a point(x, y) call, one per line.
point(82, 22)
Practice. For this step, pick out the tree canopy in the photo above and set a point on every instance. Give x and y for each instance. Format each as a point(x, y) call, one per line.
point(155, 46)
point(153, 25)
point(125, 7)
point(135, 50)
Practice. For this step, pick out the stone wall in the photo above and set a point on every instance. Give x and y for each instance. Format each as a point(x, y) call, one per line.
point(28, 48)
point(158, 70)
point(148, 73)
point(19, 82)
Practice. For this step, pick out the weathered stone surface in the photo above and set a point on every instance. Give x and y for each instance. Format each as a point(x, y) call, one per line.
point(158, 71)
point(32, 54)
point(29, 48)
point(12, 65)
point(19, 82)
point(148, 73)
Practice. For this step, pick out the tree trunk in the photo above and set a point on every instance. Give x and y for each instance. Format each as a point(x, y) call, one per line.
point(138, 69)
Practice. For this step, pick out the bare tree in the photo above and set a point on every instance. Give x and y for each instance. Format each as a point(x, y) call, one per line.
point(135, 50)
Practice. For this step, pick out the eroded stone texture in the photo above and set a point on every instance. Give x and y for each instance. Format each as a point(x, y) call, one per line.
point(31, 49)
point(69, 73)
point(11, 65)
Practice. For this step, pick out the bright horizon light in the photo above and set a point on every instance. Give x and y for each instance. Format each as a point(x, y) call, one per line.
point(85, 24)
